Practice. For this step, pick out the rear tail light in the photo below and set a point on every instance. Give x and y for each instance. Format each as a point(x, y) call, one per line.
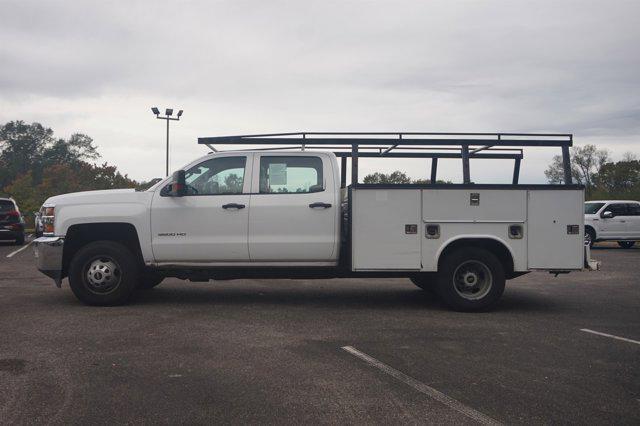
point(13, 213)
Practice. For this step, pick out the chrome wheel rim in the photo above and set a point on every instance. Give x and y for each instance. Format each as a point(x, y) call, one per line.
point(102, 275)
point(472, 280)
point(587, 239)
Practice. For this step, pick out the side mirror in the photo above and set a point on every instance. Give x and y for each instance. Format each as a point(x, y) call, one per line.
point(607, 214)
point(178, 185)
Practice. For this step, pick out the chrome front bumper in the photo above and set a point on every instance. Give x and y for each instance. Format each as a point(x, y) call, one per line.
point(48, 253)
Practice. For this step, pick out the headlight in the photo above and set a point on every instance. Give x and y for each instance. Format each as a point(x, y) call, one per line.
point(48, 217)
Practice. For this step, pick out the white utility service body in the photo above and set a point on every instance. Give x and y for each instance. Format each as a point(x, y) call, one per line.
point(289, 214)
point(381, 215)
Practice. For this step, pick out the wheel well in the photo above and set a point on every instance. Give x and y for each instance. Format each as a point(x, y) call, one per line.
point(591, 228)
point(496, 247)
point(80, 235)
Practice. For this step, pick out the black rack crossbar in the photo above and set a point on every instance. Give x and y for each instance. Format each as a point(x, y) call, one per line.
point(410, 145)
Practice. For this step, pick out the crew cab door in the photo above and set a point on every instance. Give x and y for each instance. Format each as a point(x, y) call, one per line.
point(616, 226)
point(294, 208)
point(210, 223)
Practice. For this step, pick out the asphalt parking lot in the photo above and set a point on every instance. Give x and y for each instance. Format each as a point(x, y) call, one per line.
point(326, 351)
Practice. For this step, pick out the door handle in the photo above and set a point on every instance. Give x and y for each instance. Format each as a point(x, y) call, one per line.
point(233, 206)
point(316, 205)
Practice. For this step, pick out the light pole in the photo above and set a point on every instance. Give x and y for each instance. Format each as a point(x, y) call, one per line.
point(168, 117)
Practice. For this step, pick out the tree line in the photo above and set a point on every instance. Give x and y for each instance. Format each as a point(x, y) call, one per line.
point(602, 177)
point(35, 165)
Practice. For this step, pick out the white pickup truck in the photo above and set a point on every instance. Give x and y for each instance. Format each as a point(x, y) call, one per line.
point(274, 213)
point(612, 220)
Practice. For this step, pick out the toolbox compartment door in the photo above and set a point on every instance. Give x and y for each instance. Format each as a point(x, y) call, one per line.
point(386, 229)
point(474, 205)
point(550, 245)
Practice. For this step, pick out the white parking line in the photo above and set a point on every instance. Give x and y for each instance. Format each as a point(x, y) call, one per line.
point(624, 339)
point(19, 250)
point(425, 389)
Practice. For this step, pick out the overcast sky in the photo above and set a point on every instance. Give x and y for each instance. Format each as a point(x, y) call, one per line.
point(260, 66)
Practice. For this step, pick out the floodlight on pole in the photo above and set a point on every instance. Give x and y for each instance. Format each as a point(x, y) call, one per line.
point(168, 117)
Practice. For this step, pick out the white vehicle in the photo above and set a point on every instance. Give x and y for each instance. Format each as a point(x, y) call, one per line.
point(612, 220)
point(273, 213)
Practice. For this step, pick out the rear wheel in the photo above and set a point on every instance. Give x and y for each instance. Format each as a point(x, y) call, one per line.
point(470, 279)
point(589, 237)
point(103, 273)
point(20, 240)
point(626, 244)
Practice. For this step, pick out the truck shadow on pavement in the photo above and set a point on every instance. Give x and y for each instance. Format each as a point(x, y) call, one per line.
point(351, 298)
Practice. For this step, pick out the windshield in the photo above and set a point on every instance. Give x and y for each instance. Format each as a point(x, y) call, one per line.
point(592, 208)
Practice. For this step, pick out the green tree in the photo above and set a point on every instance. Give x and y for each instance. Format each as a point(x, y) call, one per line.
point(21, 148)
point(618, 180)
point(32, 147)
point(586, 161)
point(79, 147)
point(396, 177)
point(24, 190)
point(391, 178)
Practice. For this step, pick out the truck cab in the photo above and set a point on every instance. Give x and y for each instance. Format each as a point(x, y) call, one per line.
point(250, 208)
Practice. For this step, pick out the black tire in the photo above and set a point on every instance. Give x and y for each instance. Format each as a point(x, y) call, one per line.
point(425, 283)
point(468, 266)
point(626, 244)
point(590, 236)
point(114, 272)
point(19, 240)
point(149, 280)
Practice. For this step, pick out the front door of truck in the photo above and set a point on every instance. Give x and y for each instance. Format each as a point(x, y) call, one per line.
point(294, 209)
point(210, 223)
point(616, 226)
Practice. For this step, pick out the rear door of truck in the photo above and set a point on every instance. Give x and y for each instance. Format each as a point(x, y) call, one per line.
point(294, 208)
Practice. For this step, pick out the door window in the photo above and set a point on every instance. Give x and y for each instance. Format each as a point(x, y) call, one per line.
point(218, 176)
point(294, 174)
point(633, 209)
point(592, 208)
point(617, 209)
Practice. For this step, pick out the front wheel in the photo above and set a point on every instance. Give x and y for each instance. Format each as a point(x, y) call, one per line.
point(471, 279)
point(626, 244)
point(103, 273)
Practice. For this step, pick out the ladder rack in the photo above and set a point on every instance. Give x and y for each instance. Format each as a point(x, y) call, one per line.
point(433, 145)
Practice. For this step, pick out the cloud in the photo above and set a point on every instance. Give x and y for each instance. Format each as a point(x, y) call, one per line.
point(243, 66)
